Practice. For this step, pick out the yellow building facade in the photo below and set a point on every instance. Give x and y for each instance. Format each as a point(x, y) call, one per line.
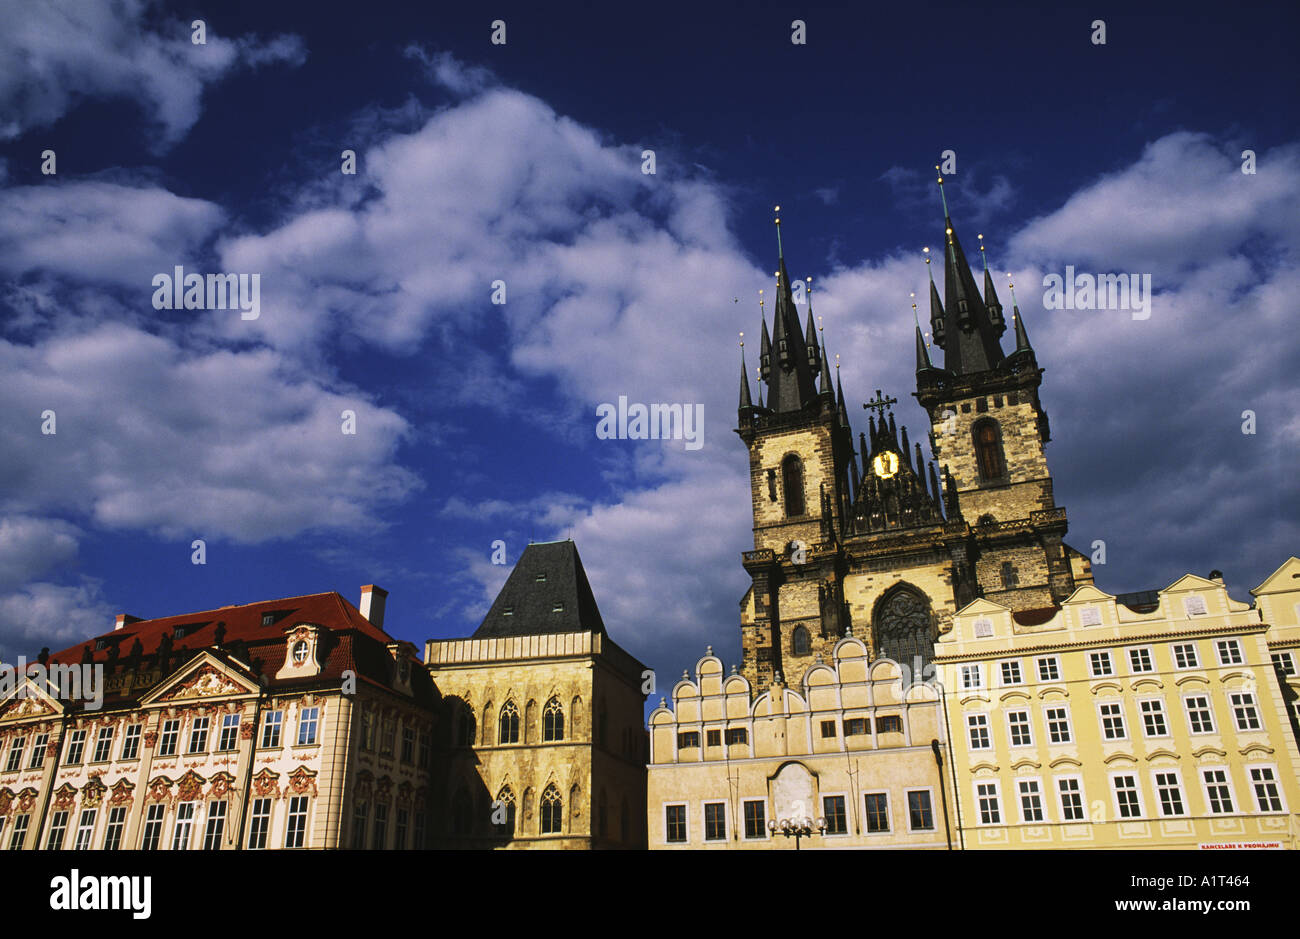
point(855, 752)
point(544, 743)
point(1159, 724)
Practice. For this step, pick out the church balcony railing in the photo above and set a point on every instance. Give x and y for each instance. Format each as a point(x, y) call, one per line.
point(762, 555)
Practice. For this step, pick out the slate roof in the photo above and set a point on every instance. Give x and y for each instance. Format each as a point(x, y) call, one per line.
point(547, 592)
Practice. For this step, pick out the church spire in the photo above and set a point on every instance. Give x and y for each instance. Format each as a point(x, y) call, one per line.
point(1022, 338)
point(765, 350)
point(991, 296)
point(971, 338)
point(746, 402)
point(922, 353)
point(936, 308)
point(792, 385)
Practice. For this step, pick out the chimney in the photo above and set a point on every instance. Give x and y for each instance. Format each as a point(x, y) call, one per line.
point(1216, 576)
point(125, 619)
point(372, 604)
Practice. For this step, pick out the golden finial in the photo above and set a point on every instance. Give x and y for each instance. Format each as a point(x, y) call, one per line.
point(821, 324)
point(742, 340)
point(837, 361)
point(760, 301)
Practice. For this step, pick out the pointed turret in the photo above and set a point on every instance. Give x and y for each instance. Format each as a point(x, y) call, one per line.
point(810, 340)
point(765, 350)
point(990, 295)
point(937, 328)
point(970, 342)
point(792, 385)
point(746, 402)
point(839, 395)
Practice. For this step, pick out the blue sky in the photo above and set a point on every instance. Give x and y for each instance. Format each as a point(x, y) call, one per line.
point(522, 162)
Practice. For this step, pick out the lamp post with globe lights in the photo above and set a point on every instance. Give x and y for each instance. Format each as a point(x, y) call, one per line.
point(797, 828)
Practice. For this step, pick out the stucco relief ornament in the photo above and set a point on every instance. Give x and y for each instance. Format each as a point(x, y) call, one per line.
point(6, 800)
point(208, 680)
point(264, 784)
point(404, 792)
point(27, 799)
point(65, 796)
point(190, 787)
point(245, 730)
point(220, 785)
point(150, 738)
point(92, 793)
point(364, 785)
point(302, 781)
point(160, 789)
point(28, 707)
point(121, 793)
point(383, 788)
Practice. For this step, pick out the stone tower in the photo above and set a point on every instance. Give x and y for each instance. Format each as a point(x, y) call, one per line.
point(875, 541)
point(988, 430)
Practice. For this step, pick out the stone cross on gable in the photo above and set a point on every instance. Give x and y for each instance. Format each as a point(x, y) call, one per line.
point(879, 403)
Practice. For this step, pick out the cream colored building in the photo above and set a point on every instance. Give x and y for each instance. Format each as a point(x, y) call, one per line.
point(1106, 725)
point(293, 723)
point(544, 744)
point(1278, 600)
point(849, 748)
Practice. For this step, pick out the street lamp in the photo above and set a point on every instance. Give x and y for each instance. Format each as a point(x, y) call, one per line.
point(797, 828)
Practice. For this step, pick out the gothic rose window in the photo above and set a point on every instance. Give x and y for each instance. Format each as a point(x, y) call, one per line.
point(903, 629)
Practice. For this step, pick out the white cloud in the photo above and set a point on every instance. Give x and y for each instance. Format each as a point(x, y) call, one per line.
point(56, 52)
point(43, 614)
point(189, 444)
point(29, 547)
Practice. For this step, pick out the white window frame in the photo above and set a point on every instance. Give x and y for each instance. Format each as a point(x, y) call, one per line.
point(1227, 781)
point(1209, 708)
point(1135, 651)
point(1284, 662)
point(120, 824)
point(1037, 783)
point(997, 801)
point(686, 818)
point(1159, 702)
point(1196, 656)
point(183, 825)
point(1277, 785)
point(1017, 667)
point(254, 815)
point(907, 807)
point(1178, 783)
point(229, 725)
point(1092, 664)
point(1054, 661)
point(1250, 705)
point(209, 817)
point(1077, 779)
point(969, 669)
point(40, 745)
point(104, 742)
point(304, 815)
point(704, 821)
point(971, 717)
point(85, 832)
point(1028, 723)
point(1069, 723)
point(1137, 788)
point(313, 721)
point(1234, 645)
point(173, 736)
point(889, 812)
point(1101, 720)
point(151, 817)
point(764, 834)
point(267, 724)
point(848, 814)
point(131, 735)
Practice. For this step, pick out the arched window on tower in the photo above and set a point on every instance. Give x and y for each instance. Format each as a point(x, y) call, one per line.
point(465, 727)
point(507, 799)
point(903, 628)
point(988, 451)
point(553, 721)
point(552, 811)
point(801, 641)
point(509, 732)
point(792, 483)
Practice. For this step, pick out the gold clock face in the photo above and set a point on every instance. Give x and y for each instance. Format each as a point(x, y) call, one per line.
point(885, 464)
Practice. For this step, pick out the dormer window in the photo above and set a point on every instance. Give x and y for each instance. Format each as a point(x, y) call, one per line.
point(508, 611)
point(268, 619)
point(101, 645)
point(541, 578)
point(559, 607)
point(300, 649)
point(178, 632)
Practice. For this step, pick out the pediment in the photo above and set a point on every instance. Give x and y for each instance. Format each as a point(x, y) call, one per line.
point(1087, 593)
point(982, 606)
point(204, 676)
point(27, 700)
point(1284, 579)
point(1191, 582)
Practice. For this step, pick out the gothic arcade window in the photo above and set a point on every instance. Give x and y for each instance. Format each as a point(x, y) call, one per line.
point(465, 729)
point(903, 630)
point(988, 451)
point(792, 483)
point(552, 811)
point(1009, 576)
point(507, 799)
point(509, 732)
point(802, 642)
point(553, 721)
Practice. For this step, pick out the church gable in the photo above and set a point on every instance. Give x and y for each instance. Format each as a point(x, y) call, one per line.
point(26, 700)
